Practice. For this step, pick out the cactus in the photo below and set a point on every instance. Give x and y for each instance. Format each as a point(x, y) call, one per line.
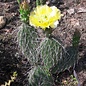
point(28, 42)
point(39, 77)
point(47, 57)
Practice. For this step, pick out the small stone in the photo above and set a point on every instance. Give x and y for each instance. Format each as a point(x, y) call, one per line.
point(71, 11)
point(74, 22)
point(81, 10)
point(2, 21)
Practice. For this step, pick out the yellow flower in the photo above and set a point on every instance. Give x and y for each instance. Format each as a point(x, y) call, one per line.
point(44, 17)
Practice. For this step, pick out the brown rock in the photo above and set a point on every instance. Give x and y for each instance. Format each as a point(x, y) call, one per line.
point(81, 10)
point(71, 11)
point(2, 21)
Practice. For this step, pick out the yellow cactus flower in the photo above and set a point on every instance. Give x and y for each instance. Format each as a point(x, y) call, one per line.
point(44, 17)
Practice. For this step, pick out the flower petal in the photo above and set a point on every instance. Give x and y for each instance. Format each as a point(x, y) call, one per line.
point(44, 16)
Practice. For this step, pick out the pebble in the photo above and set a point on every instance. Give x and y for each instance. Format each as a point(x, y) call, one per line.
point(2, 21)
point(71, 11)
point(81, 10)
point(74, 22)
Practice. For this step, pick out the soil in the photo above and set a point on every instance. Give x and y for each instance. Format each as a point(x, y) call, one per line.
point(11, 59)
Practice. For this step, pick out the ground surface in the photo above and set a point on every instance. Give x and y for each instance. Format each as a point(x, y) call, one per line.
point(12, 60)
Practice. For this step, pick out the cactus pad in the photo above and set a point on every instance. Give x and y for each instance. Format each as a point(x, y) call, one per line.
point(38, 77)
point(28, 42)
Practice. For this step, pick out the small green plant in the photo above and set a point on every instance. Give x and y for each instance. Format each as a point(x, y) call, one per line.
point(13, 77)
point(70, 81)
point(46, 55)
point(24, 10)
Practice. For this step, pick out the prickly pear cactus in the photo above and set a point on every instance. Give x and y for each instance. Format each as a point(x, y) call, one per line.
point(49, 53)
point(28, 42)
point(38, 77)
